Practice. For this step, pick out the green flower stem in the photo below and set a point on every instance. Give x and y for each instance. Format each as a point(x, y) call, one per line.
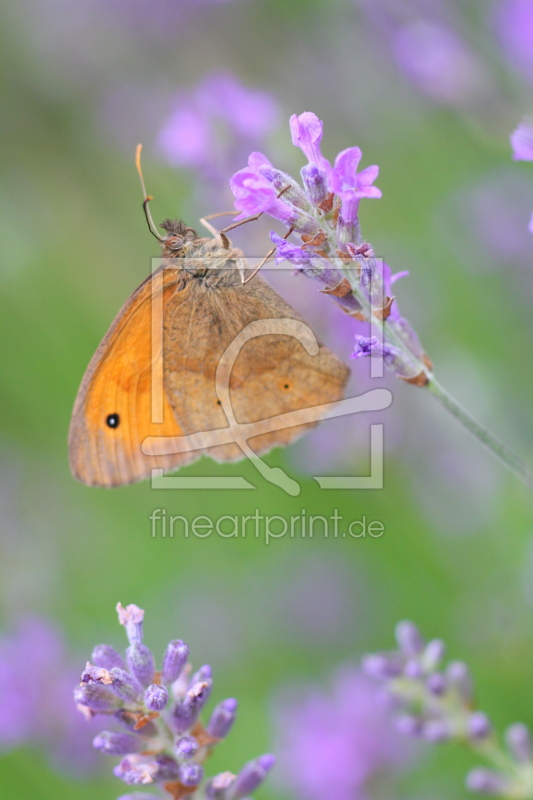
point(506, 456)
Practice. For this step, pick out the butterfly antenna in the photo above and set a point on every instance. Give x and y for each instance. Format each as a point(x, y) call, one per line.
point(147, 197)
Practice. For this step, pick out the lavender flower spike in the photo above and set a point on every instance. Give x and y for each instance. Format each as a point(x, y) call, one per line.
point(328, 224)
point(437, 706)
point(151, 752)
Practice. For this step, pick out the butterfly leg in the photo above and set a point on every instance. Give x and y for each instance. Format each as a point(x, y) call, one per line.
point(264, 260)
point(225, 241)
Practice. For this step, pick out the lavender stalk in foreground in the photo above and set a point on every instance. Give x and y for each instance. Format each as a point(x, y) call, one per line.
point(436, 704)
point(324, 212)
point(160, 738)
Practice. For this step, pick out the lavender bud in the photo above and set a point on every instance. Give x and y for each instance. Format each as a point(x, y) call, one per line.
point(205, 673)
point(167, 768)
point(518, 740)
point(222, 718)
point(372, 282)
point(124, 685)
point(132, 618)
point(280, 180)
point(408, 336)
point(129, 721)
point(174, 660)
point(348, 231)
point(107, 657)
point(433, 654)
point(96, 697)
point(381, 666)
point(478, 726)
point(118, 744)
point(487, 781)
point(134, 770)
point(436, 683)
point(436, 730)
point(315, 183)
point(408, 725)
point(413, 669)
point(186, 711)
point(409, 639)
point(251, 776)
point(156, 697)
point(459, 677)
point(141, 663)
point(92, 674)
point(191, 774)
point(186, 747)
point(216, 787)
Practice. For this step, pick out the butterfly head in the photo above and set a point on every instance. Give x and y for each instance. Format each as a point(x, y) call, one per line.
point(178, 239)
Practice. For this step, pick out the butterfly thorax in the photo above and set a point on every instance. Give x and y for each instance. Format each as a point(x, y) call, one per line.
point(203, 259)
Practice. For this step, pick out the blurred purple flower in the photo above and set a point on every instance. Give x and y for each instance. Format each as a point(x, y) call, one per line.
point(332, 744)
point(522, 144)
point(436, 60)
point(165, 744)
point(522, 141)
point(213, 124)
point(514, 29)
point(35, 697)
point(435, 701)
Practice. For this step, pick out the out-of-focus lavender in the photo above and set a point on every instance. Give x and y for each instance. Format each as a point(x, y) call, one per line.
point(35, 689)
point(334, 743)
point(212, 126)
point(522, 145)
point(438, 61)
point(522, 141)
point(436, 703)
point(154, 718)
point(513, 24)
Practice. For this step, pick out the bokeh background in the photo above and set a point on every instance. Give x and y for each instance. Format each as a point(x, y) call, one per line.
point(430, 90)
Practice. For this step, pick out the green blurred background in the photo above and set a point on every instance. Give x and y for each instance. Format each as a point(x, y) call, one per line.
point(82, 84)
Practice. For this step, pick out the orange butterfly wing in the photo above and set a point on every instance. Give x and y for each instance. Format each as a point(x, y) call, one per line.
point(118, 385)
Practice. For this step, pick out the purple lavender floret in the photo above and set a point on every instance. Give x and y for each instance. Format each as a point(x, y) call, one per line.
point(434, 702)
point(161, 742)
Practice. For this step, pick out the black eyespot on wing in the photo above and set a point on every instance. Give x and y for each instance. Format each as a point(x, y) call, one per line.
point(219, 403)
point(112, 420)
point(286, 386)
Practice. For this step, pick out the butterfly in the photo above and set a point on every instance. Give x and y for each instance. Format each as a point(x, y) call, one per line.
point(205, 305)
